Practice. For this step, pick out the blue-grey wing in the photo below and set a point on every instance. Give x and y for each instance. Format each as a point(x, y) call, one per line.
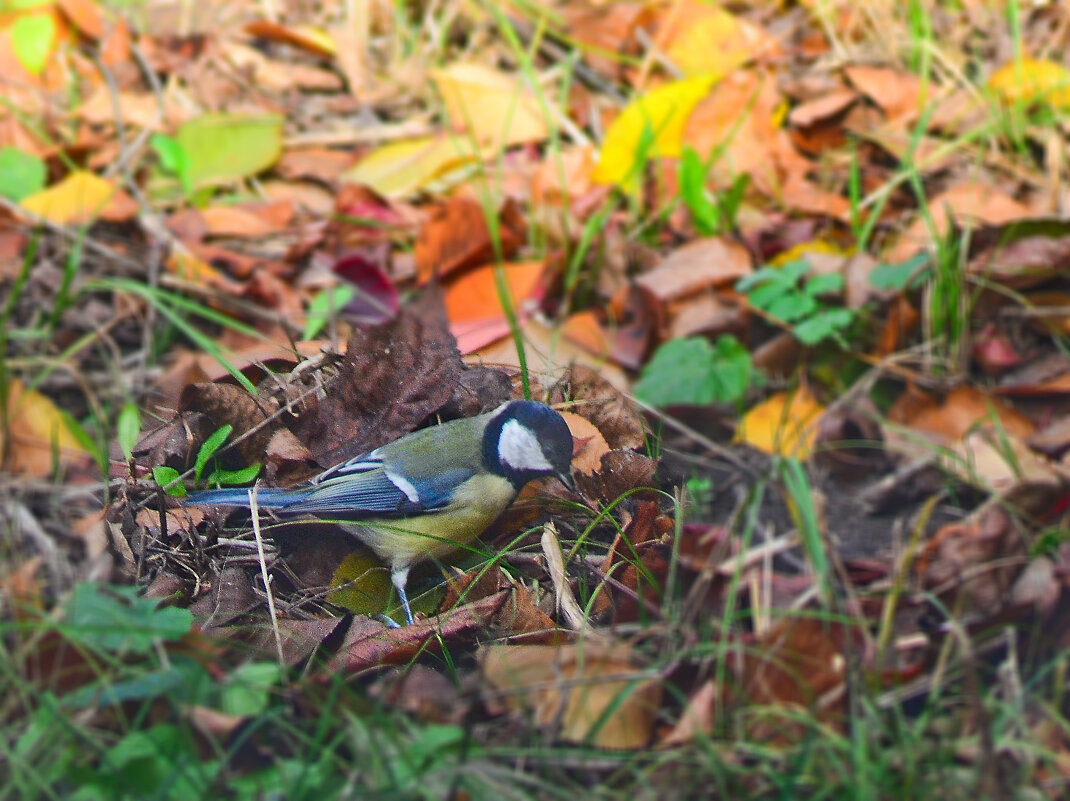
point(376, 493)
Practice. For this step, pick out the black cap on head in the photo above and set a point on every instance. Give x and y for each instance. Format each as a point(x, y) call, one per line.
point(550, 431)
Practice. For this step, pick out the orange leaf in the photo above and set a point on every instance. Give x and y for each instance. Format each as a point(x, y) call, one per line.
point(456, 237)
point(305, 37)
point(85, 14)
point(588, 444)
point(474, 296)
point(237, 222)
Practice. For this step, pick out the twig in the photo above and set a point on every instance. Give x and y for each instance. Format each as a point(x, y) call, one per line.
point(254, 509)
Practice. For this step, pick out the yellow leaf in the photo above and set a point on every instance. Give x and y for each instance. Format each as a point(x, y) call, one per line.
point(401, 168)
point(493, 107)
point(360, 584)
point(1032, 80)
point(711, 41)
point(79, 197)
point(784, 424)
point(660, 115)
point(37, 434)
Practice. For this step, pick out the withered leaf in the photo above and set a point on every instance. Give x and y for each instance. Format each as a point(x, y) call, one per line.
point(394, 376)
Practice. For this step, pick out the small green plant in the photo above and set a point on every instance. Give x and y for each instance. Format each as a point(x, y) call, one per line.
point(127, 429)
point(693, 372)
point(700, 495)
point(909, 274)
point(710, 214)
point(174, 160)
point(168, 477)
point(782, 293)
point(24, 173)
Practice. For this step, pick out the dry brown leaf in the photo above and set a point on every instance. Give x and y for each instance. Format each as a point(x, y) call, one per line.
point(595, 691)
point(606, 32)
point(243, 221)
point(306, 38)
point(713, 261)
point(456, 237)
point(975, 562)
point(970, 203)
point(604, 405)
point(802, 661)
point(953, 417)
point(739, 115)
point(698, 718)
point(588, 444)
point(822, 108)
point(900, 95)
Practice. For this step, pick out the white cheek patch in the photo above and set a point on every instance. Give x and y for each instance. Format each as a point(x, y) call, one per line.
point(519, 449)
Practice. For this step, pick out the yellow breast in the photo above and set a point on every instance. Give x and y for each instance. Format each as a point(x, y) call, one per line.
point(476, 504)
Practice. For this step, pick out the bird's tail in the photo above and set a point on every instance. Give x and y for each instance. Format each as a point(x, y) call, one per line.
point(266, 497)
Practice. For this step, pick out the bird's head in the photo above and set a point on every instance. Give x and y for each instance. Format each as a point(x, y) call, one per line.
point(525, 440)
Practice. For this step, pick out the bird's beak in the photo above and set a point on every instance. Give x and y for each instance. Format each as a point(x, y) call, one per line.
point(566, 479)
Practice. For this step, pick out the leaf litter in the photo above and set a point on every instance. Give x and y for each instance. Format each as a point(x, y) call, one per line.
point(232, 183)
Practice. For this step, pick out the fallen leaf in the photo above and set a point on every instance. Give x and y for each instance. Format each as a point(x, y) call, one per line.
point(604, 405)
point(595, 692)
point(606, 32)
point(361, 584)
point(1032, 80)
point(784, 424)
point(953, 417)
point(393, 377)
point(401, 168)
point(822, 108)
point(547, 353)
point(227, 147)
point(737, 119)
point(705, 39)
point(304, 37)
point(369, 644)
point(35, 438)
point(658, 116)
point(456, 236)
point(976, 561)
point(490, 105)
point(477, 317)
point(900, 95)
point(238, 221)
point(85, 14)
point(589, 444)
point(79, 198)
point(702, 263)
point(801, 662)
point(970, 203)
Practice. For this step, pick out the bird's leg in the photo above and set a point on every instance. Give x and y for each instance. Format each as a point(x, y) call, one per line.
point(400, 576)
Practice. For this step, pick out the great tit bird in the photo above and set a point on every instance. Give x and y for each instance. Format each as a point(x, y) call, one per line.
point(430, 491)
